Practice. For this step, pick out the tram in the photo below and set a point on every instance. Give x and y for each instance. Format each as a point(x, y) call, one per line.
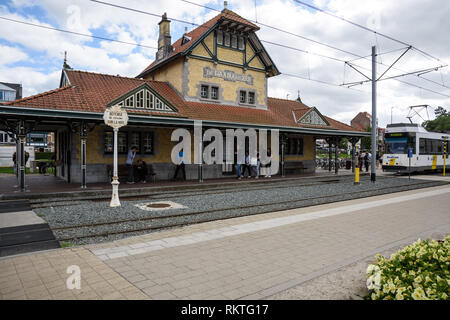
point(427, 149)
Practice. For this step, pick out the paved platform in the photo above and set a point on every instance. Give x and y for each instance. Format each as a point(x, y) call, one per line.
point(250, 257)
point(21, 230)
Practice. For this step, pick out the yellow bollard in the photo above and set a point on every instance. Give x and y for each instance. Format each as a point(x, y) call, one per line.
point(356, 176)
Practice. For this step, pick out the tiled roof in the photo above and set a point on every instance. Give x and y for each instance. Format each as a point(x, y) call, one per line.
point(92, 92)
point(195, 34)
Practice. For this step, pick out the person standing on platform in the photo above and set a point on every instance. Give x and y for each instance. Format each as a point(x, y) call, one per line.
point(269, 164)
point(130, 160)
point(246, 166)
point(366, 161)
point(180, 166)
point(238, 165)
point(378, 160)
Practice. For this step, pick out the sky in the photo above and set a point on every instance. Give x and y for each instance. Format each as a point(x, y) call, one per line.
point(34, 56)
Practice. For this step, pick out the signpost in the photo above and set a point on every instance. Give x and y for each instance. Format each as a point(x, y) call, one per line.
point(116, 118)
point(410, 155)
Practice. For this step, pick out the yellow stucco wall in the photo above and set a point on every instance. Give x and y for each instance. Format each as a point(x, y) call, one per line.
point(230, 88)
point(201, 51)
point(209, 41)
point(95, 154)
point(162, 147)
point(171, 73)
point(230, 55)
point(308, 150)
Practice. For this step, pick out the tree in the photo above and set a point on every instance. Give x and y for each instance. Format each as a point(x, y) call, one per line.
point(440, 111)
point(441, 123)
point(366, 142)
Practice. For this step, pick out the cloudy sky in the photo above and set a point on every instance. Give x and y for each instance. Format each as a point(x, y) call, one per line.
point(33, 56)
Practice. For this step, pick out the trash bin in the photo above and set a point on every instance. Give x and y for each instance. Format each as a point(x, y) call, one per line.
point(348, 164)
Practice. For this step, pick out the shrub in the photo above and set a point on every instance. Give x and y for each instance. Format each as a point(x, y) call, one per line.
point(419, 271)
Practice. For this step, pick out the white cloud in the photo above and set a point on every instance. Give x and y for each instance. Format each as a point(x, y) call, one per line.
point(423, 24)
point(11, 54)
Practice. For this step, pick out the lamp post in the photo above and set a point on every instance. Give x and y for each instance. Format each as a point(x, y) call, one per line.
point(116, 118)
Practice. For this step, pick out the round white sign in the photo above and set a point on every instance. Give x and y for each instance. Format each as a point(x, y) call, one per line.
point(115, 117)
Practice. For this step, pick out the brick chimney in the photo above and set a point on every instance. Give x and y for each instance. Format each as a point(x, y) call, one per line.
point(164, 39)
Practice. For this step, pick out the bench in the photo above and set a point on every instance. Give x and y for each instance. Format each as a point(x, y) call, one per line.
point(294, 165)
point(122, 172)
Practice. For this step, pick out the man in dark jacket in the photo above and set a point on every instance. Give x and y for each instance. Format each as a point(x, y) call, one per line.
point(366, 161)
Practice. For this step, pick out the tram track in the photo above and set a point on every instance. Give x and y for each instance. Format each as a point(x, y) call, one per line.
point(165, 223)
point(178, 194)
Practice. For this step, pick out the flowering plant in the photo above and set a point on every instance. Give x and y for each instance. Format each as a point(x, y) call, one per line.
point(419, 271)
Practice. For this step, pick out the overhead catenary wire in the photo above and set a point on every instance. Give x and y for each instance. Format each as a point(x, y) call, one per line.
point(365, 28)
point(77, 33)
point(332, 47)
point(191, 23)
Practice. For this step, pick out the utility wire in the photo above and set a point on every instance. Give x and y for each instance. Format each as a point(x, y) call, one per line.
point(323, 44)
point(365, 28)
point(77, 33)
point(275, 28)
point(156, 15)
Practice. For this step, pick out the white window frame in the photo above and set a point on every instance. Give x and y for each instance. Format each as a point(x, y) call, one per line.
point(149, 100)
point(219, 36)
point(244, 94)
point(140, 101)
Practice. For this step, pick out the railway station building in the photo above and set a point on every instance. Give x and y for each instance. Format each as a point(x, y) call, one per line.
point(217, 73)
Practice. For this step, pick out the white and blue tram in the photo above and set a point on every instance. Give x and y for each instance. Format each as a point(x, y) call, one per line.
point(427, 149)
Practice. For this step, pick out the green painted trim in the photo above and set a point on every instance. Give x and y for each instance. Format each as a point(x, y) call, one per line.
point(311, 110)
point(207, 49)
point(152, 119)
point(137, 89)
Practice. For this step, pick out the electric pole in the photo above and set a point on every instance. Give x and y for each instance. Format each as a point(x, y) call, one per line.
point(374, 115)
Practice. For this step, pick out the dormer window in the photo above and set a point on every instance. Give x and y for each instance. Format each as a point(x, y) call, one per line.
point(241, 43)
point(234, 41)
point(230, 40)
point(185, 39)
point(227, 39)
point(219, 37)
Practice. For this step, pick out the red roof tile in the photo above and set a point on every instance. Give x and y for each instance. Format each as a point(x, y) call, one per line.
point(92, 92)
point(195, 34)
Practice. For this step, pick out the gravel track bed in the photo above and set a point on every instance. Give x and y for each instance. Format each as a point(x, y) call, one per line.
point(266, 199)
point(268, 184)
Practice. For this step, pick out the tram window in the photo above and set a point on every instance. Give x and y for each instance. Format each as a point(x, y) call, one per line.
point(422, 146)
point(397, 145)
point(430, 146)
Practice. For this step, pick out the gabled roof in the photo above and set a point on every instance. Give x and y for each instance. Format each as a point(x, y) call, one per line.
point(182, 48)
point(93, 92)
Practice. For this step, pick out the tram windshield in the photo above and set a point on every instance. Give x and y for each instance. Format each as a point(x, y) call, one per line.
point(397, 145)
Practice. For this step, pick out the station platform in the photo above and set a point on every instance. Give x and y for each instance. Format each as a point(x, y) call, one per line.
point(267, 256)
point(46, 187)
point(21, 230)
